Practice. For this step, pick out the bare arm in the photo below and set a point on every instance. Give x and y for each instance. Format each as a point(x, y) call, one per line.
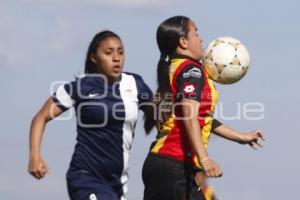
point(36, 166)
point(226, 132)
point(190, 113)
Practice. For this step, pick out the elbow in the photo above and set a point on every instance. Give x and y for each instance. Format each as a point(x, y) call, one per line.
point(189, 122)
point(39, 118)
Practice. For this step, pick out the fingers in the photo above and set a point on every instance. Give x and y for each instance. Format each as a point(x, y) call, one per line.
point(258, 143)
point(214, 173)
point(257, 138)
point(260, 134)
point(36, 174)
point(39, 172)
point(212, 169)
point(252, 145)
point(218, 172)
point(255, 143)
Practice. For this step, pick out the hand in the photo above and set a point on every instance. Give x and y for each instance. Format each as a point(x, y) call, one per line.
point(252, 138)
point(200, 179)
point(211, 168)
point(37, 167)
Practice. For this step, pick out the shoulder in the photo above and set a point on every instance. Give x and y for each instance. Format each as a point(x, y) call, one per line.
point(91, 80)
point(134, 75)
point(139, 83)
point(185, 66)
point(138, 78)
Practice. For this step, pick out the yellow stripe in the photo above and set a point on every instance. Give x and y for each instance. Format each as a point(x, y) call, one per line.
point(214, 95)
point(197, 163)
point(168, 125)
point(175, 63)
point(166, 129)
point(206, 129)
point(209, 192)
point(159, 143)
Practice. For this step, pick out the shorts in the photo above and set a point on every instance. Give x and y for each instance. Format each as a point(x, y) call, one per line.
point(168, 179)
point(82, 186)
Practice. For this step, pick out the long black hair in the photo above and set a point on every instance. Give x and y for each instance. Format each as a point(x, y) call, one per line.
point(91, 67)
point(168, 35)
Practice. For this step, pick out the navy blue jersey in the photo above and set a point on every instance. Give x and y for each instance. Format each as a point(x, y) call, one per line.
point(106, 117)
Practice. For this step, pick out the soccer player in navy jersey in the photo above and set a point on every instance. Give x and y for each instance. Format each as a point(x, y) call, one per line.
point(106, 101)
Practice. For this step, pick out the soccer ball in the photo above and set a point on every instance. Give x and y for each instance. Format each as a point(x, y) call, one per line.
point(226, 60)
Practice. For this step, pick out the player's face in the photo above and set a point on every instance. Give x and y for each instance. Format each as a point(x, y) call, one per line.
point(194, 41)
point(109, 58)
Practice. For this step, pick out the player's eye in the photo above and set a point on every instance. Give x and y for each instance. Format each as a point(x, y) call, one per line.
point(121, 52)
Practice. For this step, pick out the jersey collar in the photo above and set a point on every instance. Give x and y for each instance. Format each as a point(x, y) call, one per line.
point(176, 56)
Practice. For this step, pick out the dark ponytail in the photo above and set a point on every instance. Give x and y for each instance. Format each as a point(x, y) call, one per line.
point(163, 80)
point(91, 67)
point(168, 35)
point(163, 83)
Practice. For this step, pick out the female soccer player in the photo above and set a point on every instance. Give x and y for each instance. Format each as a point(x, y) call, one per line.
point(185, 100)
point(106, 101)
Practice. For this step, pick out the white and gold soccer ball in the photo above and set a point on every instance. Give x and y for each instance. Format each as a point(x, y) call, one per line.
point(226, 60)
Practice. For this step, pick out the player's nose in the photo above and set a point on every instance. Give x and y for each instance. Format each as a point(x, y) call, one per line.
point(116, 57)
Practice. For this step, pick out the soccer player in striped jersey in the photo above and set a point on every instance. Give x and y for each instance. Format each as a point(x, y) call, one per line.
point(185, 100)
point(106, 101)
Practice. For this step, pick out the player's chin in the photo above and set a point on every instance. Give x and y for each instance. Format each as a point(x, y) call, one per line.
point(202, 52)
point(200, 55)
point(115, 74)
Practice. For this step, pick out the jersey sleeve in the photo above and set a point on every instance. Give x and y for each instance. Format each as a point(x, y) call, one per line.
point(190, 82)
point(145, 95)
point(65, 96)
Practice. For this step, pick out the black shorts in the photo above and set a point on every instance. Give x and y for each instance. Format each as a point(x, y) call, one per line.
point(168, 179)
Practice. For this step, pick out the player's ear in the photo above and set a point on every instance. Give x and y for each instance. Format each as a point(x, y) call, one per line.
point(183, 43)
point(93, 58)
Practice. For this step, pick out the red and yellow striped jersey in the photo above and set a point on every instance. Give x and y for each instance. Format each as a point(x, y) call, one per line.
point(189, 80)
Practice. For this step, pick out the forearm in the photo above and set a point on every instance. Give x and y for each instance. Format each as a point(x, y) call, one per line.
point(38, 124)
point(225, 132)
point(192, 128)
point(36, 132)
point(193, 132)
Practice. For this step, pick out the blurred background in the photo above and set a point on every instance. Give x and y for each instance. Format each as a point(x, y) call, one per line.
point(44, 41)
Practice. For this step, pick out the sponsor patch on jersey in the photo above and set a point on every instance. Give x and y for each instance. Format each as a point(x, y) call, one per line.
point(194, 72)
point(93, 196)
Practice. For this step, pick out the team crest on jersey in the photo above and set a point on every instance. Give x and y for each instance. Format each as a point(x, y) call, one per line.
point(194, 72)
point(129, 93)
point(189, 88)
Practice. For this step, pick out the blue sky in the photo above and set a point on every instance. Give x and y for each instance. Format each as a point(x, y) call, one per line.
point(46, 41)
